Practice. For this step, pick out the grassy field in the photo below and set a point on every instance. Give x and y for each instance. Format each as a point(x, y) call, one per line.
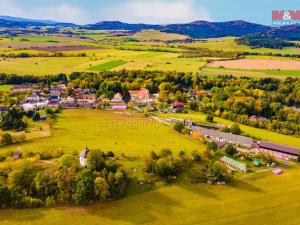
point(130, 133)
point(6, 87)
point(248, 130)
point(99, 59)
point(108, 66)
point(261, 199)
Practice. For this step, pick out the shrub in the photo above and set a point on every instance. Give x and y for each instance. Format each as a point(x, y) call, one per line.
point(50, 201)
point(210, 118)
point(28, 202)
point(6, 139)
point(110, 154)
point(178, 126)
point(235, 129)
point(230, 150)
point(165, 152)
point(196, 156)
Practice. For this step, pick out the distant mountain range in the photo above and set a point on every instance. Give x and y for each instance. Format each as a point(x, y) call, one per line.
point(9, 22)
point(18, 19)
point(196, 29)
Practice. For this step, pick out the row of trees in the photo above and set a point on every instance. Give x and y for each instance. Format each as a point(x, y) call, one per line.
point(41, 54)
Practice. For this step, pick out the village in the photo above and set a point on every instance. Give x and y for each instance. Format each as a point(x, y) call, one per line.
point(60, 96)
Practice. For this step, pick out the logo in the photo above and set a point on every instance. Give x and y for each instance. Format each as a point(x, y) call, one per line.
point(285, 17)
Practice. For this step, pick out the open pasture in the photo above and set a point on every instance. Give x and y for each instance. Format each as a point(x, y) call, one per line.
point(261, 198)
point(127, 132)
point(108, 66)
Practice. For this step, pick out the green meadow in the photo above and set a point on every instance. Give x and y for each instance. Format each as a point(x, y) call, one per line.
point(6, 87)
point(261, 198)
point(122, 132)
point(108, 66)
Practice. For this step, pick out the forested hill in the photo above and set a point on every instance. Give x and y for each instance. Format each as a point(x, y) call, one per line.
point(117, 25)
point(204, 29)
point(197, 29)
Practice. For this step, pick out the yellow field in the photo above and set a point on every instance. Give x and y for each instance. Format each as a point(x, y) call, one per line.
point(136, 60)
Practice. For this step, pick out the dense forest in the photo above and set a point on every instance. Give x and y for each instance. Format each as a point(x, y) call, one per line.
point(263, 41)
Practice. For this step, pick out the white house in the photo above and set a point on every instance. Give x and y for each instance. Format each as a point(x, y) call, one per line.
point(28, 107)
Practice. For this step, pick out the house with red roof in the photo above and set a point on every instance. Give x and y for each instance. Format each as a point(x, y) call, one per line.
point(141, 95)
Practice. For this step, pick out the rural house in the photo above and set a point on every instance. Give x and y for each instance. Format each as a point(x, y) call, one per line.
point(177, 107)
point(118, 98)
point(141, 95)
point(279, 151)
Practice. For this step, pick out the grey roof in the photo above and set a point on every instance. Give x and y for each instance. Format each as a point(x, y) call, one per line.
point(228, 137)
point(279, 148)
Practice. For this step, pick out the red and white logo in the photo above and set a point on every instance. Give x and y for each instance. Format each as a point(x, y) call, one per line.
point(286, 15)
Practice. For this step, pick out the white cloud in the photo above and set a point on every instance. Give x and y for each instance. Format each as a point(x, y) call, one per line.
point(60, 13)
point(157, 11)
point(10, 8)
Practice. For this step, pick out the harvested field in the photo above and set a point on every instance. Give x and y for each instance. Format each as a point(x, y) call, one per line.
point(257, 64)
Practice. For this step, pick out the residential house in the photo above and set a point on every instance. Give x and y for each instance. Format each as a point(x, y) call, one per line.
point(28, 107)
point(177, 107)
point(141, 95)
point(117, 99)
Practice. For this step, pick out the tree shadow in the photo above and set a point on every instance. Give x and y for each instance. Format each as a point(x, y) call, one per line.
point(200, 189)
point(240, 184)
point(22, 215)
point(129, 208)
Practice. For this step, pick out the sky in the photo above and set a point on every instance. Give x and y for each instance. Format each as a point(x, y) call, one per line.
point(146, 11)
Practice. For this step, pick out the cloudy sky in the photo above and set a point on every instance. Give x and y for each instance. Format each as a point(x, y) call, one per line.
point(146, 11)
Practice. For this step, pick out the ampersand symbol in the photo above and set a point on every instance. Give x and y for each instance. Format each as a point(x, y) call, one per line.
point(286, 15)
